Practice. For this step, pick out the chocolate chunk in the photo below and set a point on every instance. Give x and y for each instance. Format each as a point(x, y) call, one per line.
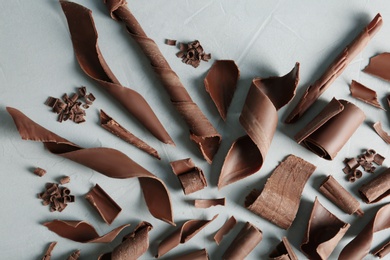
point(324, 231)
point(107, 208)
point(65, 180)
point(84, 38)
point(116, 129)
point(379, 66)
point(47, 255)
point(183, 234)
point(74, 256)
point(196, 255)
point(279, 200)
point(283, 251)
point(108, 161)
point(376, 189)
point(39, 172)
point(335, 69)
point(259, 118)
point(207, 203)
point(221, 83)
point(201, 131)
point(191, 178)
point(327, 133)
point(245, 241)
point(364, 94)
point(170, 42)
point(383, 250)
point(379, 130)
point(359, 247)
point(225, 229)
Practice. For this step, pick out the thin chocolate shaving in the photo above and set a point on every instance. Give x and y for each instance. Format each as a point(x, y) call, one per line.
point(383, 250)
point(379, 66)
point(65, 180)
point(47, 255)
point(191, 177)
point(170, 42)
point(39, 172)
point(181, 235)
point(259, 118)
point(115, 128)
point(207, 203)
point(376, 189)
point(110, 162)
point(84, 38)
point(364, 94)
point(221, 83)
point(314, 91)
point(81, 231)
point(283, 251)
point(360, 246)
point(196, 255)
point(225, 229)
point(107, 208)
point(201, 131)
point(74, 256)
point(324, 231)
point(379, 130)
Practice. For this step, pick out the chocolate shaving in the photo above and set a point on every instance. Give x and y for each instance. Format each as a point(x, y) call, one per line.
point(259, 118)
point(84, 38)
point(170, 42)
point(324, 231)
point(107, 208)
point(221, 83)
point(191, 178)
point(116, 129)
point(196, 255)
point(65, 180)
point(74, 256)
point(47, 255)
point(383, 250)
point(55, 196)
point(225, 229)
point(181, 235)
point(201, 131)
point(192, 53)
point(245, 241)
point(360, 246)
point(379, 130)
point(110, 162)
point(283, 251)
point(376, 189)
point(39, 172)
point(364, 94)
point(314, 91)
point(378, 159)
point(379, 66)
point(81, 231)
point(207, 203)
point(327, 133)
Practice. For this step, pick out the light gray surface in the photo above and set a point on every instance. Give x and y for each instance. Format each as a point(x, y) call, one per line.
point(265, 38)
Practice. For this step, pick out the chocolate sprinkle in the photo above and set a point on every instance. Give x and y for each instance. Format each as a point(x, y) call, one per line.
point(47, 255)
point(283, 251)
point(225, 229)
point(191, 177)
point(39, 172)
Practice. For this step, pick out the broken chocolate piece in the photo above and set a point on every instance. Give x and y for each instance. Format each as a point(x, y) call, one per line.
point(108, 161)
point(221, 83)
point(259, 118)
point(107, 208)
point(65, 180)
point(376, 189)
point(245, 241)
point(364, 94)
point(39, 172)
point(335, 69)
point(170, 42)
point(327, 133)
point(196, 255)
point(84, 38)
point(379, 130)
point(74, 256)
point(191, 177)
point(379, 66)
point(201, 130)
point(283, 251)
point(207, 203)
point(115, 128)
point(225, 229)
point(279, 201)
point(360, 246)
point(47, 255)
point(383, 250)
point(324, 231)
point(183, 234)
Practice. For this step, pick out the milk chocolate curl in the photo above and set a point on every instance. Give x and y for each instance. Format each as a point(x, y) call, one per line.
point(81, 231)
point(74, 256)
point(201, 131)
point(376, 189)
point(360, 246)
point(340, 196)
point(259, 118)
point(207, 203)
point(324, 231)
point(110, 162)
point(364, 94)
point(314, 91)
point(279, 201)
point(283, 251)
point(183, 234)
point(84, 38)
point(221, 83)
point(196, 255)
point(115, 128)
point(330, 130)
point(133, 245)
point(47, 255)
point(225, 229)
point(379, 66)
point(245, 241)
point(191, 177)
point(383, 250)
point(107, 208)
point(379, 130)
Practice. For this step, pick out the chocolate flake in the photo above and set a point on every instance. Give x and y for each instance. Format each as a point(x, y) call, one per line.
point(379, 130)
point(65, 180)
point(376, 189)
point(383, 250)
point(55, 196)
point(39, 172)
point(364, 94)
point(191, 177)
point(379, 66)
point(283, 251)
point(47, 255)
point(170, 42)
point(225, 229)
point(74, 256)
point(207, 203)
point(196, 255)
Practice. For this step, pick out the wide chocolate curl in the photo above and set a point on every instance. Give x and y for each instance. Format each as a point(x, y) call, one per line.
point(259, 118)
point(335, 69)
point(110, 162)
point(201, 131)
point(84, 38)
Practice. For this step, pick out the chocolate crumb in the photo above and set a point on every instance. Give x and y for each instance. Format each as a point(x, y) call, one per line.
point(170, 42)
point(39, 172)
point(65, 180)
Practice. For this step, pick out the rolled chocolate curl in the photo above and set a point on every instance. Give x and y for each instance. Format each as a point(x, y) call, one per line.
point(201, 130)
point(376, 189)
point(330, 130)
point(191, 177)
point(314, 91)
point(196, 255)
point(283, 251)
point(383, 250)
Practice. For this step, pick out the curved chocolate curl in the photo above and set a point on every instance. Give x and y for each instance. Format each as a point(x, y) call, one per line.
point(376, 189)
point(191, 177)
point(279, 201)
point(283, 251)
point(196, 255)
point(259, 118)
point(229, 224)
point(81, 231)
point(379, 66)
point(324, 231)
point(314, 91)
point(360, 246)
point(245, 241)
point(183, 234)
point(379, 130)
point(84, 38)
point(331, 129)
point(47, 255)
point(201, 130)
point(133, 245)
point(383, 250)
point(364, 94)
point(107, 161)
point(221, 83)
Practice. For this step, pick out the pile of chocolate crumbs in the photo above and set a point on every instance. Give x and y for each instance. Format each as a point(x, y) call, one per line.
point(55, 196)
point(365, 160)
point(190, 53)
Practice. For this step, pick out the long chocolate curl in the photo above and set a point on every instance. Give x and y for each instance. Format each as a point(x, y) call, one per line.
point(110, 162)
point(335, 69)
point(201, 131)
point(84, 38)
